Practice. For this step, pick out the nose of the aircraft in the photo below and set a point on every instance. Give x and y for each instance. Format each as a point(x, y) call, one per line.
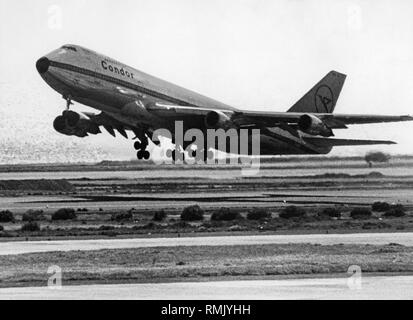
point(42, 65)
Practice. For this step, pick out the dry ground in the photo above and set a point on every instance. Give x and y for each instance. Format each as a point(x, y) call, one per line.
point(195, 263)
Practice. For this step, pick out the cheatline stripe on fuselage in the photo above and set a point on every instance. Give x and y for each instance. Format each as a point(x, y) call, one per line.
point(120, 82)
point(155, 94)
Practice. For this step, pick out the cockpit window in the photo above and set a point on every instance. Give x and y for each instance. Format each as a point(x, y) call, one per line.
point(70, 48)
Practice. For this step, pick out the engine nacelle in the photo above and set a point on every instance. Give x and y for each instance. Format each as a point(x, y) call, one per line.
point(310, 124)
point(74, 124)
point(218, 119)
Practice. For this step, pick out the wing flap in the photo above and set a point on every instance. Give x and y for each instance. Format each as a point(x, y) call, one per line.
point(328, 142)
point(365, 119)
point(334, 121)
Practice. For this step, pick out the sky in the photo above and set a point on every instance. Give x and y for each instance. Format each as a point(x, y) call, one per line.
point(252, 54)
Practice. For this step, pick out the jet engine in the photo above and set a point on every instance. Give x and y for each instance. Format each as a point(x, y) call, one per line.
point(75, 124)
point(217, 119)
point(310, 124)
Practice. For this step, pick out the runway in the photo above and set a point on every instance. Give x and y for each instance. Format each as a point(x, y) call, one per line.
point(381, 287)
point(20, 247)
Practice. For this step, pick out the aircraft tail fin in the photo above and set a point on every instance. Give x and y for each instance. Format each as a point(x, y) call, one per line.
point(322, 98)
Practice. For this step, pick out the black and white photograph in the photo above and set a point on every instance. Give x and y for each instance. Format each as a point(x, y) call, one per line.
point(206, 151)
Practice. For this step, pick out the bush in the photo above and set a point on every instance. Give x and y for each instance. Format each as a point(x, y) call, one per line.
point(331, 212)
point(180, 225)
point(376, 157)
point(30, 226)
point(122, 216)
point(375, 225)
point(292, 212)
point(33, 215)
point(192, 213)
point(258, 214)
point(159, 215)
point(225, 214)
point(380, 206)
point(64, 214)
point(6, 216)
point(395, 211)
point(361, 213)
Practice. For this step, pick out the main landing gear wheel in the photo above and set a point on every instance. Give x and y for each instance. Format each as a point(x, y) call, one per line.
point(143, 154)
point(141, 147)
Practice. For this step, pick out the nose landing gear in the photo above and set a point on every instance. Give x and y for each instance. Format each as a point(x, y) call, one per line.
point(69, 102)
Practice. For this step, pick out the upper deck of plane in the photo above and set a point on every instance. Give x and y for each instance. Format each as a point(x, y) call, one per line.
point(88, 62)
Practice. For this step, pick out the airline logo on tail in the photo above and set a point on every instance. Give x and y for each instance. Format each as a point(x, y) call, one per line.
point(324, 99)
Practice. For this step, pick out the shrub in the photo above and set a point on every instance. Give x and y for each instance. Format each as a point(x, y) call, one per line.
point(192, 213)
point(181, 224)
point(225, 214)
point(159, 215)
point(375, 225)
point(30, 226)
point(122, 216)
point(258, 214)
point(360, 213)
point(64, 214)
point(331, 212)
point(380, 206)
point(109, 233)
point(377, 156)
point(395, 211)
point(6, 216)
point(33, 215)
point(292, 212)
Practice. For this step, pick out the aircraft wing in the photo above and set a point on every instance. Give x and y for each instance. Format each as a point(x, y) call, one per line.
point(269, 119)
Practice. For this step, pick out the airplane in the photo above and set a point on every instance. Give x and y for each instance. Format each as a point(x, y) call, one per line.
point(130, 100)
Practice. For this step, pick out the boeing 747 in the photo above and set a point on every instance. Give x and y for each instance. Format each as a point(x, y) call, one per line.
point(130, 100)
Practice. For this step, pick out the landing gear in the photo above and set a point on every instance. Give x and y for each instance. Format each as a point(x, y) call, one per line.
point(69, 102)
point(141, 146)
point(143, 155)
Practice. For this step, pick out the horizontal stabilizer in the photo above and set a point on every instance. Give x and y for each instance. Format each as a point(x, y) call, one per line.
point(326, 142)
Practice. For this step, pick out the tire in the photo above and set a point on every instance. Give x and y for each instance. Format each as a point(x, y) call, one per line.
point(146, 155)
point(137, 145)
